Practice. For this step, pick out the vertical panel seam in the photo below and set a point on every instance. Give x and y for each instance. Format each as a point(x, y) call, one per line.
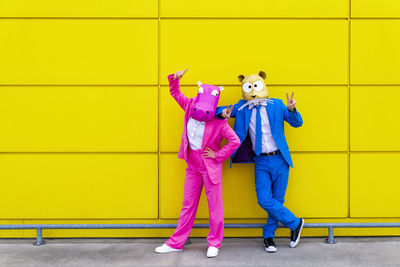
point(158, 106)
point(349, 110)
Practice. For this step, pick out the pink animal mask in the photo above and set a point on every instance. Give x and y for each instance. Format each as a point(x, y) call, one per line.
point(206, 102)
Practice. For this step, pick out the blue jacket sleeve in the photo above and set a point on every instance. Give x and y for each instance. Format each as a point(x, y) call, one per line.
point(293, 118)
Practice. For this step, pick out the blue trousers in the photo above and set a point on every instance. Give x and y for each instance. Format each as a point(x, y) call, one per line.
point(271, 178)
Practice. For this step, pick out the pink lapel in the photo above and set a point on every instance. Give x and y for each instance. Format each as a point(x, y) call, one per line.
point(187, 114)
point(207, 132)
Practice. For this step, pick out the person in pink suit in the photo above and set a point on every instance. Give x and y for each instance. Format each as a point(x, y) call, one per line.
point(201, 149)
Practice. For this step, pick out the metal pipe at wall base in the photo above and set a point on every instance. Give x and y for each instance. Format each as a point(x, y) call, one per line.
point(330, 239)
point(330, 226)
point(203, 225)
point(39, 238)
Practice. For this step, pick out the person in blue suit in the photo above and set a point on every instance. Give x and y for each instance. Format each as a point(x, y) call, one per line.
point(259, 124)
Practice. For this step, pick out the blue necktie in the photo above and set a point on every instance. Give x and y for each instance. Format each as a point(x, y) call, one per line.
point(258, 146)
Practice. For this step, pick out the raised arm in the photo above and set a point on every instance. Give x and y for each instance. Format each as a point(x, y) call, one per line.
point(226, 112)
point(290, 113)
point(175, 89)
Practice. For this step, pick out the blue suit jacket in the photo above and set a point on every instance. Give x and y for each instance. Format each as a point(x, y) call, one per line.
point(277, 114)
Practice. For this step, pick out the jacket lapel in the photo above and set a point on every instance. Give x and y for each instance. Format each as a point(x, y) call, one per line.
point(269, 108)
point(184, 135)
point(208, 129)
point(247, 117)
point(187, 115)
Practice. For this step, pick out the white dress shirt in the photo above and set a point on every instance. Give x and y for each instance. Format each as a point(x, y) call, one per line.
point(267, 141)
point(195, 131)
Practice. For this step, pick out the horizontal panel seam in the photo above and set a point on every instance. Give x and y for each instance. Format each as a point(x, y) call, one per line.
point(171, 18)
point(202, 218)
point(192, 18)
point(81, 152)
point(182, 85)
point(148, 85)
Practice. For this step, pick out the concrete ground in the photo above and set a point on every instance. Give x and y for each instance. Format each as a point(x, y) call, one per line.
point(234, 252)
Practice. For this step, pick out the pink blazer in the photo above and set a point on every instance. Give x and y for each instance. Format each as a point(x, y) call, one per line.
point(214, 131)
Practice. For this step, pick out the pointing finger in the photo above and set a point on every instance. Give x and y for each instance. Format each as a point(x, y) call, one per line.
point(291, 98)
point(185, 71)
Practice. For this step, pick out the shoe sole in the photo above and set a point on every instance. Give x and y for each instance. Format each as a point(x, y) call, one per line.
point(164, 252)
point(271, 251)
point(298, 238)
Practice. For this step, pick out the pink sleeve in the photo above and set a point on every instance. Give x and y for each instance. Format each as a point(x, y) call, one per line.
point(176, 93)
point(233, 143)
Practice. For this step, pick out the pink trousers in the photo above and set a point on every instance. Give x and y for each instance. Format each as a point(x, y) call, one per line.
point(196, 177)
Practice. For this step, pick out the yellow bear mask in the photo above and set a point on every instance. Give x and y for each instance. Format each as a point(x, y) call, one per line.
point(253, 86)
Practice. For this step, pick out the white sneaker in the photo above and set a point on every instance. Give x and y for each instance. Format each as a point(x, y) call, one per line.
point(271, 249)
point(270, 245)
point(212, 252)
point(295, 235)
point(165, 249)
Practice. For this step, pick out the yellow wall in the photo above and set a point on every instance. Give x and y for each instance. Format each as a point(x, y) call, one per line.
point(89, 132)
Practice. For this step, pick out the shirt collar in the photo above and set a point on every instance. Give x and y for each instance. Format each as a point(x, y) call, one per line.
point(255, 102)
point(198, 122)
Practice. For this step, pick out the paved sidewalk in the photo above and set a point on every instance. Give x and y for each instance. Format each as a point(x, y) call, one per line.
point(234, 252)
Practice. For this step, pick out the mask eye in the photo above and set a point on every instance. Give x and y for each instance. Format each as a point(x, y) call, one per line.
point(201, 90)
point(214, 92)
point(247, 87)
point(258, 85)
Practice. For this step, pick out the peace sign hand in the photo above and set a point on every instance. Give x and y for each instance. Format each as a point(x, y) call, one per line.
point(226, 113)
point(179, 74)
point(291, 103)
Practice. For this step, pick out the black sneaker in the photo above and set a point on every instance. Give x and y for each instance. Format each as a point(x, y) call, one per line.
point(270, 245)
point(295, 235)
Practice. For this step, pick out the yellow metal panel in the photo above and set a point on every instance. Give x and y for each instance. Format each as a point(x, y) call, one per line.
point(325, 117)
point(324, 111)
point(375, 8)
point(375, 53)
point(315, 176)
point(255, 8)
point(78, 118)
point(77, 8)
point(318, 185)
point(374, 185)
point(374, 118)
point(172, 118)
point(68, 186)
point(289, 51)
point(79, 51)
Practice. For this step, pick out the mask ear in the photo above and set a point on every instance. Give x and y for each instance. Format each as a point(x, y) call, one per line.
point(199, 83)
point(262, 75)
point(240, 78)
point(221, 88)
